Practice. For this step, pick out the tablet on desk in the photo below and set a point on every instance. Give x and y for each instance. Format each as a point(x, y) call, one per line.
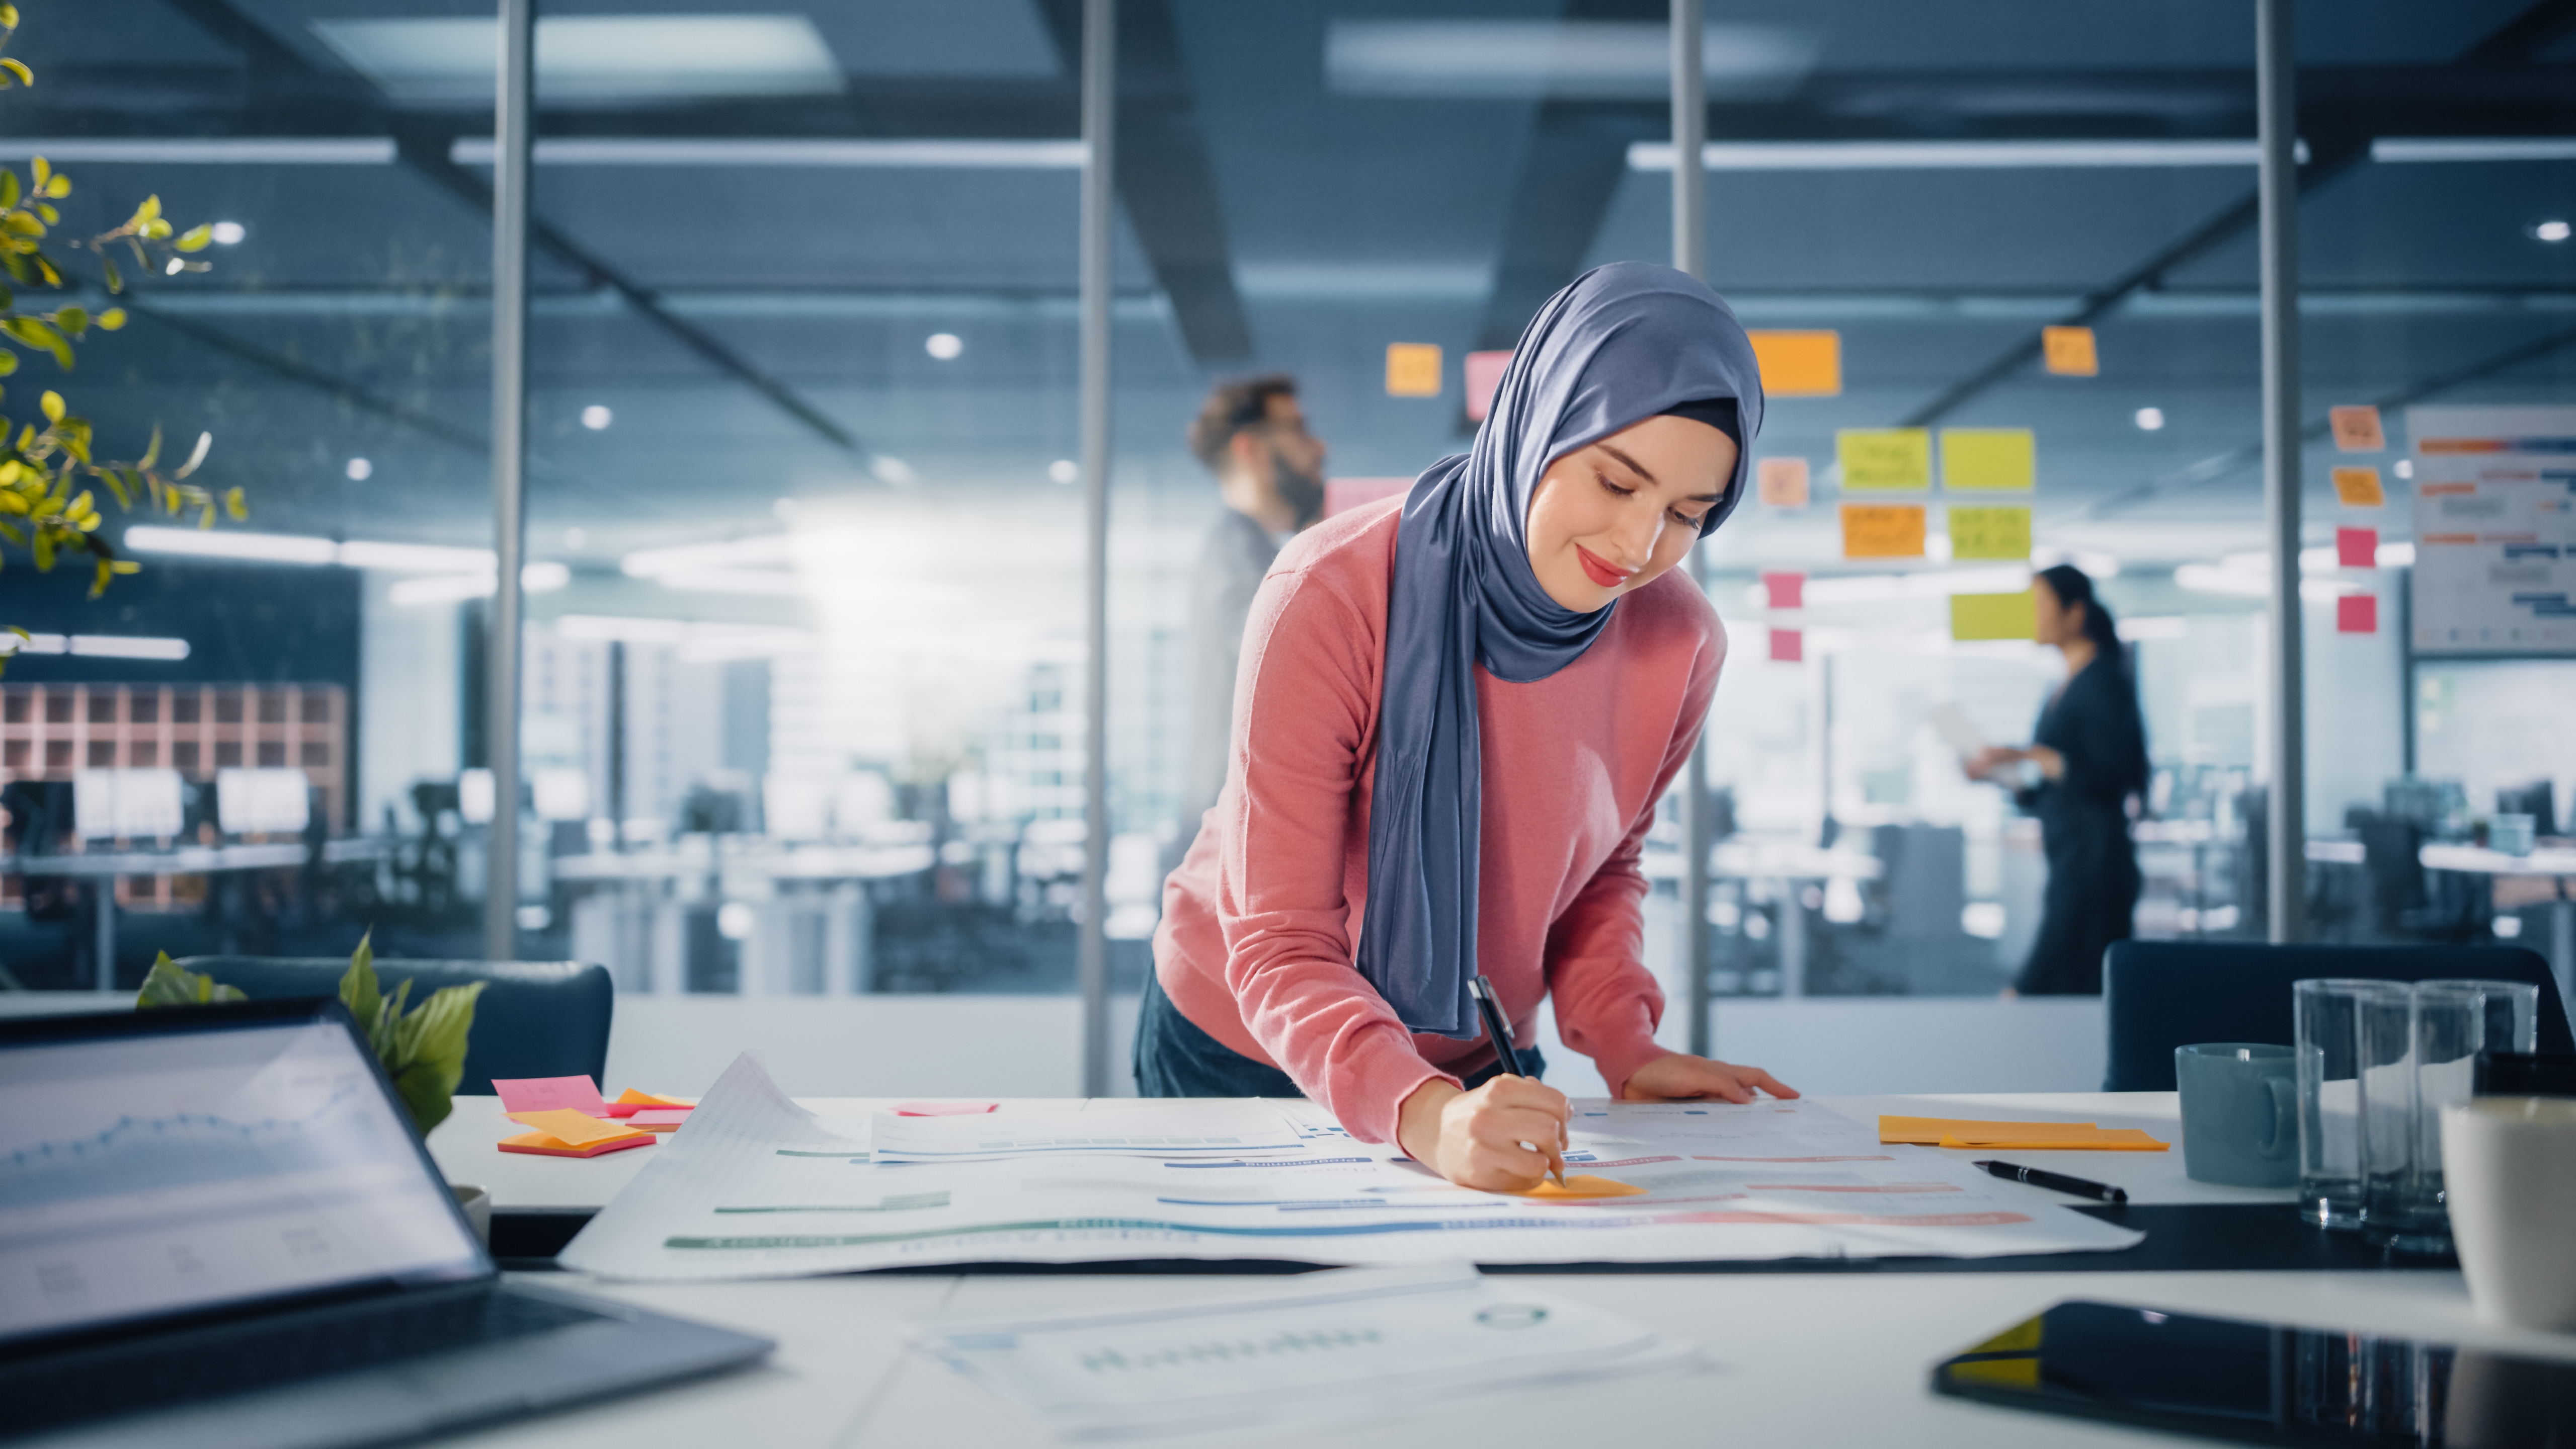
point(2262, 1383)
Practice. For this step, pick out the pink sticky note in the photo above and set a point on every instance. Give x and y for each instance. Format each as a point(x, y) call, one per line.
point(2357, 614)
point(546, 1094)
point(1784, 591)
point(1788, 646)
point(2355, 548)
point(944, 1109)
point(1484, 374)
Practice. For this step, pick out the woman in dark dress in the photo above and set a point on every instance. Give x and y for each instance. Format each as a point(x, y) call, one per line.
point(2090, 751)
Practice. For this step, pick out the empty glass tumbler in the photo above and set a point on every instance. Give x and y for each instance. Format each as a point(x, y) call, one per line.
point(2418, 1056)
point(2328, 1025)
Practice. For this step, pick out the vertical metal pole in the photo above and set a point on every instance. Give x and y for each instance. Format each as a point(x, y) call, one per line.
point(1099, 203)
point(514, 122)
point(2277, 115)
point(1690, 254)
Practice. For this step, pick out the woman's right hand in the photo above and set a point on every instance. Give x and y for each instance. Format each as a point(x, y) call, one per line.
point(1501, 1137)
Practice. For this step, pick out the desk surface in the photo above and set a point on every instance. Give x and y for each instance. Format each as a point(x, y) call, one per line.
point(465, 1145)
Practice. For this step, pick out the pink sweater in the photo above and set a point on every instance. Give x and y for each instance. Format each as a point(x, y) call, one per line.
point(1261, 919)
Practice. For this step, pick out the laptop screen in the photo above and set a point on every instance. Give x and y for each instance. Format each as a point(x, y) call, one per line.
point(175, 1170)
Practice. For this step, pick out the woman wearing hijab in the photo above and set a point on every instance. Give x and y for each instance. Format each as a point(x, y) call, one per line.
point(1454, 718)
point(2091, 754)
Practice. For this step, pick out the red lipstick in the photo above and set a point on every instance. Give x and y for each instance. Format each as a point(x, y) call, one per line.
point(1600, 571)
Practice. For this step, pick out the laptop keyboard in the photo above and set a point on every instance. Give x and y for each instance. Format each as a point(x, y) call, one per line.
point(157, 1373)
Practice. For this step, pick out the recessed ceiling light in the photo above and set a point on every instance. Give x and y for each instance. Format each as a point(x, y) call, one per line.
point(2150, 419)
point(228, 233)
point(597, 417)
point(2551, 231)
point(1064, 470)
point(2405, 467)
point(944, 345)
point(360, 470)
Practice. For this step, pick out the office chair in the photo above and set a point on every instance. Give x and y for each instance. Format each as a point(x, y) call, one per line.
point(2158, 995)
point(534, 1019)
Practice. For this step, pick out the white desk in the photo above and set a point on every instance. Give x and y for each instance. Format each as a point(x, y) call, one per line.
point(464, 1144)
point(1816, 1360)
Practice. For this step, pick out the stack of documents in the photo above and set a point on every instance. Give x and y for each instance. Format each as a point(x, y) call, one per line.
point(2016, 1136)
point(1351, 1346)
point(758, 1187)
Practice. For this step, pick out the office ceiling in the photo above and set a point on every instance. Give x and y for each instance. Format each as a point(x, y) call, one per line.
point(1303, 183)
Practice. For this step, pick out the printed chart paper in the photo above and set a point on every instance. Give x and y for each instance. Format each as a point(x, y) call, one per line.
point(760, 1188)
point(2495, 531)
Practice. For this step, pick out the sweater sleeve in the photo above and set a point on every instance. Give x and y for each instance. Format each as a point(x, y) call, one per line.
point(1305, 722)
point(1607, 1003)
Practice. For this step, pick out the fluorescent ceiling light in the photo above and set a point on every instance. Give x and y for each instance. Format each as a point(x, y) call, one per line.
point(537, 578)
point(593, 58)
point(1588, 59)
point(207, 150)
point(1950, 155)
point(654, 563)
point(95, 646)
point(965, 154)
point(2402, 149)
point(289, 548)
point(697, 642)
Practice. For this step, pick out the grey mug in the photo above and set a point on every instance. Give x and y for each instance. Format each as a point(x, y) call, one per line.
point(2240, 1113)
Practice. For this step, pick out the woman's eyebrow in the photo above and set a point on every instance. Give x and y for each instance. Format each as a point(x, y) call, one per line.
point(1633, 465)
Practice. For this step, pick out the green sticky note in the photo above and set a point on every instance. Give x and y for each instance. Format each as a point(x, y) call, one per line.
point(2001, 532)
point(1993, 616)
point(1885, 460)
point(1989, 460)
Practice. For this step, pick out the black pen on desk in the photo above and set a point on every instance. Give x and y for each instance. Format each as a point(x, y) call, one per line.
point(2055, 1181)
point(1499, 1032)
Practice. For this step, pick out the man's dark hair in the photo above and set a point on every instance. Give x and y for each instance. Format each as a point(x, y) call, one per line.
point(1230, 408)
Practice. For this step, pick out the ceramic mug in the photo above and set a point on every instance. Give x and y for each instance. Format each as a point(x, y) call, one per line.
point(2240, 1113)
point(2509, 1171)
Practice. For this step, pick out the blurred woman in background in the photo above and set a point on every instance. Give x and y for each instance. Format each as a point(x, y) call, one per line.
point(2090, 756)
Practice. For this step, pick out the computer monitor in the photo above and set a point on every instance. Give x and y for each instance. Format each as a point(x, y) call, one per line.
point(263, 801)
point(147, 1174)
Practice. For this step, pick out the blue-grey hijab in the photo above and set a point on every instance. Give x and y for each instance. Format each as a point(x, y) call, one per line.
point(1623, 343)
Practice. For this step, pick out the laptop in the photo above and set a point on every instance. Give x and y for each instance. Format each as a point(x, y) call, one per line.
point(218, 1228)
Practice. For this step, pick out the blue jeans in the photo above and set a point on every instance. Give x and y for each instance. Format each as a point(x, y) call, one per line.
point(1174, 1058)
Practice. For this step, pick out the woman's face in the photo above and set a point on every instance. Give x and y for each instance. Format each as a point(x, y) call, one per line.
point(2056, 623)
point(1610, 517)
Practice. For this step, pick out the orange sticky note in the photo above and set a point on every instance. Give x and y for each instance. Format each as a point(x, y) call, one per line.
point(1883, 530)
point(2357, 614)
point(1799, 364)
point(633, 1098)
point(1484, 374)
point(2358, 488)
point(2121, 1139)
point(2069, 351)
point(1413, 369)
point(2356, 429)
point(1582, 1186)
point(1782, 482)
point(569, 1127)
point(540, 1145)
point(1928, 1131)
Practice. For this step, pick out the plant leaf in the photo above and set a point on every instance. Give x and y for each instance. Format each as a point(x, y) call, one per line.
point(358, 986)
point(168, 985)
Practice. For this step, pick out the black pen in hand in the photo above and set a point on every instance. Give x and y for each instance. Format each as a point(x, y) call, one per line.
point(1499, 1032)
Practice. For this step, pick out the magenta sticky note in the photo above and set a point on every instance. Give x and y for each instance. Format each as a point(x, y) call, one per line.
point(944, 1109)
point(545, 1094)
point(2355, 548)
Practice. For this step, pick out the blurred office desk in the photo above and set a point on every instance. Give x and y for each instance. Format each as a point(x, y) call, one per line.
point(106, 865)
point(2555, 863)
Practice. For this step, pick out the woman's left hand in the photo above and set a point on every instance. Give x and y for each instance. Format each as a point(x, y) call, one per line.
point(1681, 1077)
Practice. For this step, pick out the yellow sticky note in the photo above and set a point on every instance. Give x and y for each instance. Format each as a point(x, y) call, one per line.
point(2101, 1139)
point(1988, 460)
point(572, 1128)
point(2069, 351)
point(1582, 1186)
point(1781, 481)
point(2001, 532)
point(1799, 364)
point(2358, 488)
point(1413, 369)
point(1993, 616)
point(1883, 530)
point(1885, 460)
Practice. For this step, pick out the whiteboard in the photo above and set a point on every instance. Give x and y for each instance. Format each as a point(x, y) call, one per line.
point(2495, 530)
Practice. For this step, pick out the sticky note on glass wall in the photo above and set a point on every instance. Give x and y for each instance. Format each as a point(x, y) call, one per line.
point(1993, 616)
point(1883, 530)
point(1788, 646)
point(2357, 548)
point(1485, 374)
point(1799, 364)
point(1785, 591)
point(1782, 482)
point(2356, 429)
point(1413, 369)
point(1885, 460)
point(2357, 614)
point(1988, 460)
point(2358, 488)
point(2068, 351)
point(2001, 532)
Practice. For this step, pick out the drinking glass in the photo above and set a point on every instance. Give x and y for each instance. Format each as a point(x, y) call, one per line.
point(2329, 1012)
point(2418, 1058)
